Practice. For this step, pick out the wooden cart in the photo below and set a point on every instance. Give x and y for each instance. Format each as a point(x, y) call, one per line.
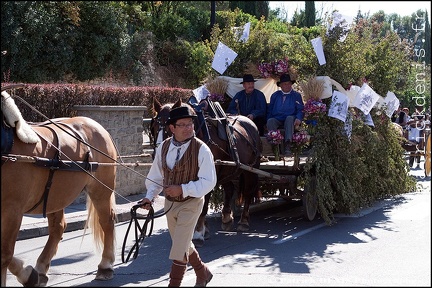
point(280, 179)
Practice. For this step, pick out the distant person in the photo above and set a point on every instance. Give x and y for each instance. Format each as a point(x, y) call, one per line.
point(395, 115)
point(403, 117)
point(250, 102)
point(184, 170)
point(416, 125)
point(285, 110)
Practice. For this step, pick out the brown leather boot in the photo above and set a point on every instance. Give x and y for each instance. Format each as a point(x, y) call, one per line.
point(178, 270)
point(201, 270)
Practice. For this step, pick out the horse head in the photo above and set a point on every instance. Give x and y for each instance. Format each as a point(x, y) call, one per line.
point(159, 131)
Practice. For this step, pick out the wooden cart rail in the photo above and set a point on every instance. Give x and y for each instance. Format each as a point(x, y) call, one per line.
point(248, 168)
point(280, 166)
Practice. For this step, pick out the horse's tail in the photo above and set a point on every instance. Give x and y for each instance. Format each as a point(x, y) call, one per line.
point(93, 221)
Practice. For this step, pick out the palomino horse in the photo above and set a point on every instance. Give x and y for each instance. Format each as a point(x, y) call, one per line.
point(245, 148)
point(45, 167)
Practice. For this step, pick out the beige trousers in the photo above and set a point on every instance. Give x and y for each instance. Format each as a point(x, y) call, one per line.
point(182, 219)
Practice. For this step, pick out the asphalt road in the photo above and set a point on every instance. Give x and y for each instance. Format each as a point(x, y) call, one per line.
point(385, 245)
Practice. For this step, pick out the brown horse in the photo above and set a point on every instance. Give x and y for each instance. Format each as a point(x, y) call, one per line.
point(44, 168)
point(218, 132)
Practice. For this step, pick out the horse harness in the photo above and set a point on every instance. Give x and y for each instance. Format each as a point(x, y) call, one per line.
point(219, 120)
point(225, 130)
point(53, 164)
point(222, 121)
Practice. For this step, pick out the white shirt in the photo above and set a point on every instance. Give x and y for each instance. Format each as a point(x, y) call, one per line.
point(206, 173)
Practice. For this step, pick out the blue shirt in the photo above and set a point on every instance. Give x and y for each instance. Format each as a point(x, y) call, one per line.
point(254, 104)
point(293, 105)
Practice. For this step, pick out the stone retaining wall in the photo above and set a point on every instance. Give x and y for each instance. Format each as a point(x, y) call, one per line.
point(125, 124)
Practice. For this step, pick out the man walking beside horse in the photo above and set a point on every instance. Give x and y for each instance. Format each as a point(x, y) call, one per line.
point(184, 170)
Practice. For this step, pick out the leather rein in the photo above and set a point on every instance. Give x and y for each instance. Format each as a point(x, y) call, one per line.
point(140, 231)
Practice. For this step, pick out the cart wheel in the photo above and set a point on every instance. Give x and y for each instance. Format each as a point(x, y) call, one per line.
point(310, 202)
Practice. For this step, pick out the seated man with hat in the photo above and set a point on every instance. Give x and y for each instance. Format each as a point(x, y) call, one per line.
point(285, 110)
point(250, 102)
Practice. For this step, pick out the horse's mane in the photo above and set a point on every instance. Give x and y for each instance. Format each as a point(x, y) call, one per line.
point(14, 118)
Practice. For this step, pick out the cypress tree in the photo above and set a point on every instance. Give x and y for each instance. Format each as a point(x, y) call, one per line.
point(310, 13)
point(427, 45)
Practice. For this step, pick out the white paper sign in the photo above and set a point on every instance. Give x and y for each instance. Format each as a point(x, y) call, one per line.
point(367, 119)
point(392, 103)
point(242, 33)
point(348, 125)
point(365, 99)
point(380, 103)
point(246, 30)
point(319, 51)
point(223, 57)
point(201, 93)
point(343, 21)
point(339, 106)
point(352, 93)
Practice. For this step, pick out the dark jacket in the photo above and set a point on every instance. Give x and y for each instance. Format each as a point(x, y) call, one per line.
point(254, 104)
